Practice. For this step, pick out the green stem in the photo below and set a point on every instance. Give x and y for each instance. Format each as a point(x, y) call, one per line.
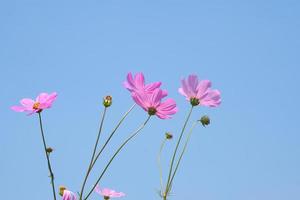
point(94, 152)
point(47, 156)
point(116, 153)
point(176, 148)
point(159, 164)
point(183, 151)
point(111, 135)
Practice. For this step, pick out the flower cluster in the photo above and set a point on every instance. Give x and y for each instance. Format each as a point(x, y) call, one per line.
point(153, 100)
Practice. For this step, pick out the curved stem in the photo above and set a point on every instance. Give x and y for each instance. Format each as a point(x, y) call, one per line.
point(183, 151)
point(111, 135)
point(94, 152)
point(176, 148)
point(47, 156)
point(159, 164)
point(116, 153)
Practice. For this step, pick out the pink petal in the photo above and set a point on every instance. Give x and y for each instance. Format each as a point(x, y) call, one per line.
point(42, 97)
point(141, 99)
point(164, 93)
point(166, 109)
point(212, 99)
point(97, 189)
point(193, 83)
point(129, 84)
point(186, 89)
point(181, 91)
point(27, 103)
point(139, 80)
point(18, 108)
point(156, 97)
point(68, 195)
point(202, 88)
point(118, 194)
point(152, 86)
point(46, 100)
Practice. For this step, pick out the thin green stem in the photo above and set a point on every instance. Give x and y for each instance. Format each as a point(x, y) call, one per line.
point(94, 152)
point(175, 151)
point(47, 156)
point(159, 164)
point(111, 135)
point(183, 151)
point(116, 153)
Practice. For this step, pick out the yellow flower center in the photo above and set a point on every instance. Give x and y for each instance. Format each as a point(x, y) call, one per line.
point(36, 106)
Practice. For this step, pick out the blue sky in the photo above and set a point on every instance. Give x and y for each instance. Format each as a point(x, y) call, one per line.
point(84, 49)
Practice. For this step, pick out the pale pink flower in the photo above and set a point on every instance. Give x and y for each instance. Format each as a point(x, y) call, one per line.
point(199, 92)
point(108, 193)
point(68, 195)
point(137, 84)
point(43, 101)
point(152, 103)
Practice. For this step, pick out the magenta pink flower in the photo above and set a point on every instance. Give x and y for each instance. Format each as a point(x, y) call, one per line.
point(152, 103)
point(68, 195)
point(199, 92)
point(137, 84)
point(108, 193)
point(43, 101)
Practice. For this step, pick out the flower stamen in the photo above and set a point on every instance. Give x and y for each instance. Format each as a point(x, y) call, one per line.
point(36, 106)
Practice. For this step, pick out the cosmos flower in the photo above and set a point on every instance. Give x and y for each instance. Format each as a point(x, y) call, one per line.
point(152, 103)
point(43, 101)
point(137, 84)
point(68, 195)
point(108, 193)
point(199, 92)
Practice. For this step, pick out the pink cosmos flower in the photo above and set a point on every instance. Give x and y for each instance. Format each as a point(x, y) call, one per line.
point(43, 101)
point(137, 84)
point(108, 193)
point(199, 92)
point(68, 195)
point(152, 103)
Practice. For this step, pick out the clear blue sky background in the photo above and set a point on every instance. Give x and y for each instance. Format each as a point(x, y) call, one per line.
point(84, 49)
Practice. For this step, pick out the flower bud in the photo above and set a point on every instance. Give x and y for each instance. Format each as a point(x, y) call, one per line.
point(49, 150)
point(61, 190)
point(107, 101)
point(205, 120)
point(194, 101)
point(169, 136)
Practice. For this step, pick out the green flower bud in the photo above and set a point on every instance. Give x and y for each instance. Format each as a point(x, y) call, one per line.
point(169, 136)
point(61, 190)
point(107, 101)
point(205, 120)
point(49, 150)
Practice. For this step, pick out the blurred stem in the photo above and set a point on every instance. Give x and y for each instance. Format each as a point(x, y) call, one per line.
point(111, 135)
point(159, 163)
point(47, 156)
point(183, 151)
point(176, 148)
point(116, 153)
point(94, 152)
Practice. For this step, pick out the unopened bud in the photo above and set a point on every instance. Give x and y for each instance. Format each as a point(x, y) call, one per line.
point(61, 190)
point(205, 120)
point(169, 136)
point(49, 150)
point(107, 101)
